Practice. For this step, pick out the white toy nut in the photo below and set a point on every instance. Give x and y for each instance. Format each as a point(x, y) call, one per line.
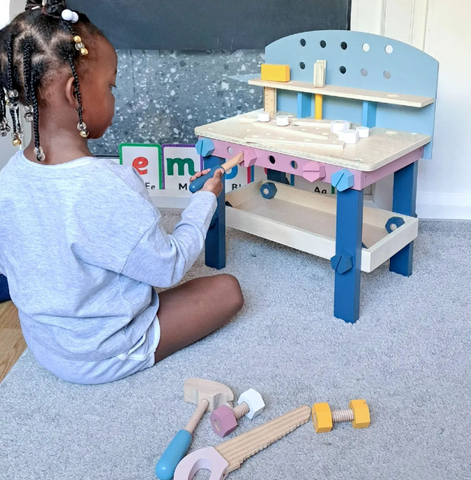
point(264, 117)
point(255, 402)
point(282, 120)
point(349, 136)
point(338, 125)
point(364, 132)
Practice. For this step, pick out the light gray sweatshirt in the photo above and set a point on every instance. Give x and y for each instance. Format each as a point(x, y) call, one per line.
point(82, 245)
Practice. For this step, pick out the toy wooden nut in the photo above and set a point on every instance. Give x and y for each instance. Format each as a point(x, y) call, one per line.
point(322, 417)
point(223, 421)
point(255, 402)
point(361, 413)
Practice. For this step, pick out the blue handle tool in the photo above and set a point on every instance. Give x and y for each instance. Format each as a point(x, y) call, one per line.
point(199, 182)
point(176, 450)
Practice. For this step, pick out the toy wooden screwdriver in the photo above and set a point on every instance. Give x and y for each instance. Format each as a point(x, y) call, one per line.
point(230, 455)
point(199, 182)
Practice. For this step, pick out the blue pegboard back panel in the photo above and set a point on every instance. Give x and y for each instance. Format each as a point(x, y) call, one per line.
point(410, 71)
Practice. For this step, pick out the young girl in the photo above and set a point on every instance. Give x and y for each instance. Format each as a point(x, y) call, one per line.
point(81, 243)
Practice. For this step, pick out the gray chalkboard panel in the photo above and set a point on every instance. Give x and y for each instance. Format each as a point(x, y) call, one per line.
point(210, 24)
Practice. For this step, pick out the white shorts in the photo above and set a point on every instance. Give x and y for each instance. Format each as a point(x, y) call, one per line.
point(140, 357)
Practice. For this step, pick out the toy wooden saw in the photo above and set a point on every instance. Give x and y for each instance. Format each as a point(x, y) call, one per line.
point(230, 455)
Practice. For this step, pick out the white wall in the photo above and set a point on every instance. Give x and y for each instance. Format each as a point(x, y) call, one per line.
point(441, 28)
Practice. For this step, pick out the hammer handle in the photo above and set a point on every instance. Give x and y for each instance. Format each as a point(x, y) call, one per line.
point(180, 444)
point(199, 182)
point(197, 416)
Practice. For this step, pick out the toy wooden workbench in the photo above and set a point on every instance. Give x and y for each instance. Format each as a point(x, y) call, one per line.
point(363, 80)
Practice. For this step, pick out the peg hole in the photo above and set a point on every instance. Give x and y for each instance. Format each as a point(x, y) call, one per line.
point(366, 47)
point(230, 150)
point(271, 159)
point(302, 65)
point(387, 74)
point(389, 49)
point(364, 72)
point(343, 70)
point(294, 165)
point(323, 44)
point(344, 45)
point(302, 42)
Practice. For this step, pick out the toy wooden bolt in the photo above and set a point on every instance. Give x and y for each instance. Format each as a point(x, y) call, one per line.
point(224, 419)
point(323, 417)
point(207, 395)
point(199, 182)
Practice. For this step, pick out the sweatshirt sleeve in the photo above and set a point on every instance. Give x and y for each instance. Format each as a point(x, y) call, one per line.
point(162, 260)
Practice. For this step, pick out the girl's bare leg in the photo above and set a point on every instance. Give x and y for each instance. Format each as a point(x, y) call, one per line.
point(195, 309)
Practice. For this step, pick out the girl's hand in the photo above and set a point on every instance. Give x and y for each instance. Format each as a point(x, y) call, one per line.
point(199, 174)
point(214, 184)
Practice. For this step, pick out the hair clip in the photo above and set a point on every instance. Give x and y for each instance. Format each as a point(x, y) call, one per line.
point(70, 16)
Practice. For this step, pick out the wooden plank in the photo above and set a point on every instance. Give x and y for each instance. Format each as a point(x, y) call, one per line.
point(12, 344)
point(294, 129)
point(348, 92)
point(9, 316)
point(270, 101)
point(273, 139)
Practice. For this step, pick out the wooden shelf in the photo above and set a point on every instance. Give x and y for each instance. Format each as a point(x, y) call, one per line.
point(347, 92)
point(307, 222)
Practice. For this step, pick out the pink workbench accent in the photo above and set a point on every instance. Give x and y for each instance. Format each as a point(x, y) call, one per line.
point(368, 178)
point(310, 170)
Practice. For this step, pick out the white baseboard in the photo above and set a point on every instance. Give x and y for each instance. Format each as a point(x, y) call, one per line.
point(168, 199)
point(438, 206)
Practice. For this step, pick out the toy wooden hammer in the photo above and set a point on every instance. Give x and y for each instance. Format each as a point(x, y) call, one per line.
point(199, 182)
point(207, 395)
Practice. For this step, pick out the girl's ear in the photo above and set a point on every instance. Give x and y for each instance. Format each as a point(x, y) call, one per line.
point(69, 93)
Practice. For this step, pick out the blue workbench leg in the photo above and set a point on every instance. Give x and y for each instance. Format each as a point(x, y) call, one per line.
point(275, 176)
point(404, 202)
point(347, 261)
point(216, 239)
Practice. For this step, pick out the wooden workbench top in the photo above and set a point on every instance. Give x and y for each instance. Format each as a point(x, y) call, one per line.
point(381, 148)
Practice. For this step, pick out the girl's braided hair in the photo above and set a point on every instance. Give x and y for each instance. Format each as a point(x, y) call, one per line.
point(36, 44)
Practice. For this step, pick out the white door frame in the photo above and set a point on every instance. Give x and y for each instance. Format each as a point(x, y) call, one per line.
point(403, 20)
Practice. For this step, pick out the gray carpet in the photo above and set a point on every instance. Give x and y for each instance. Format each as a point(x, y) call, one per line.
point(408, 356)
